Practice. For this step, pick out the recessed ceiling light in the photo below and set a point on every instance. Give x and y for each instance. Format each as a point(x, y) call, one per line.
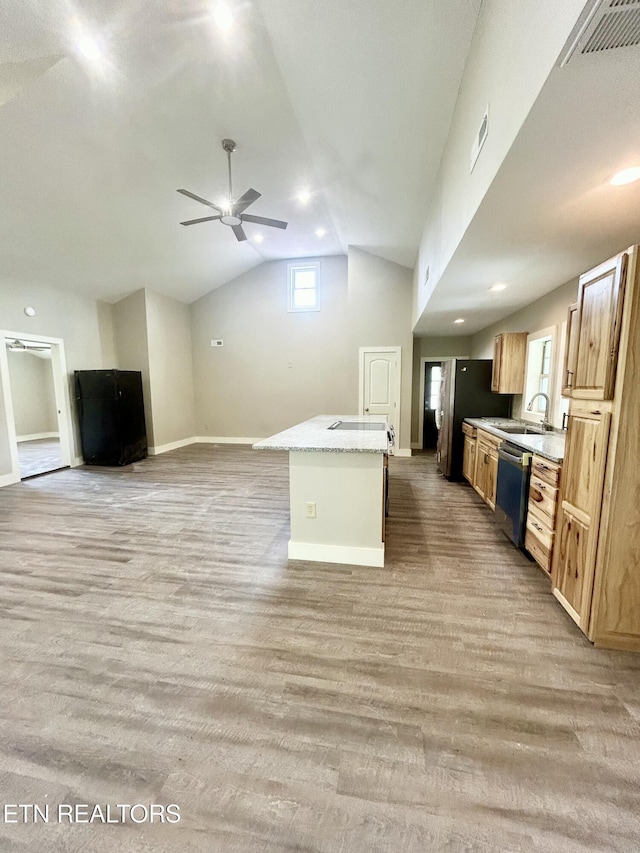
point(459, 320)
point(86, 45)
point(498, 286)
point(258, 238)
point(222, 16)
point(30, 311)
point(626, 176)
point(304, 196)
point(320, 232)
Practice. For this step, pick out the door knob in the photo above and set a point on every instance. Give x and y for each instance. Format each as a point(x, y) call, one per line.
point(366, 410)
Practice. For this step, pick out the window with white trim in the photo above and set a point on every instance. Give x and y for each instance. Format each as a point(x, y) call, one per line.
point(304, 287)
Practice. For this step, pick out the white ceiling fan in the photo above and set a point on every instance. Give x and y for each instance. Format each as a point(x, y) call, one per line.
point(233, 215)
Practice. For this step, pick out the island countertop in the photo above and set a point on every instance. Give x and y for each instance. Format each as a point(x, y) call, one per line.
point(315, 435)
point(549, 444)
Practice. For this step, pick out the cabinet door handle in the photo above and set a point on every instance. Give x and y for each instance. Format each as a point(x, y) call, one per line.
point(569, 381)
point(537, 526)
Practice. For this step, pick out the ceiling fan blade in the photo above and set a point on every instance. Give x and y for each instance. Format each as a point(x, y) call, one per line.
point(202, 219)
point(240, 235)
point(201, 200)
point(245, 200)
point(262, 220)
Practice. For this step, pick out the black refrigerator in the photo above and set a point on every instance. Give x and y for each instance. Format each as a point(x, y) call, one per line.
point(111, 416)
point(465, 392)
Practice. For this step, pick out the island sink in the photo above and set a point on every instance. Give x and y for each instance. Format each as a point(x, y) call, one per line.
point(357, 425)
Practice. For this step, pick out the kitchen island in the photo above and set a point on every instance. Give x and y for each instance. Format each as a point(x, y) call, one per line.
point(337, 482)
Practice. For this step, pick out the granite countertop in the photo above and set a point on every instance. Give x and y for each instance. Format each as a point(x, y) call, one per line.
point(549, 444)
point(315, 434)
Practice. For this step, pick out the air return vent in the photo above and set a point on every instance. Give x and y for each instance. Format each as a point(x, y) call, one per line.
point(608, 25)
point(479, 140)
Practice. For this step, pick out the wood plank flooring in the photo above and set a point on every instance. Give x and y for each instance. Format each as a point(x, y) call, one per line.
point(157, 647)
point(39, 456)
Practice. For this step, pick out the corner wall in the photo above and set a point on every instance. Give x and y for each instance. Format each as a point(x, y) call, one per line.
point(153, 335)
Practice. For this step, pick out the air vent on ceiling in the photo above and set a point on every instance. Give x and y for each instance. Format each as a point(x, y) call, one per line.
point(479, 140)
point(607, 25)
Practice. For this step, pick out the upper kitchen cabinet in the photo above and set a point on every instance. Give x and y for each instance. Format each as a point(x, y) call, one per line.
point(597, 330)
point(596, 562)
point(570, 352)
point(509, 357)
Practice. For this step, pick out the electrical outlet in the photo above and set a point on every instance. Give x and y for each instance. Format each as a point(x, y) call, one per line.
point(217, 343)
point(310, 508)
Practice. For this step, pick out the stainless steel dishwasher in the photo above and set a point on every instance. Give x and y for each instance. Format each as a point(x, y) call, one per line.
point(512, 492)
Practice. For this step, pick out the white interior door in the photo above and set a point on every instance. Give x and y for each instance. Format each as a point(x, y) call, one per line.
point(380, 383)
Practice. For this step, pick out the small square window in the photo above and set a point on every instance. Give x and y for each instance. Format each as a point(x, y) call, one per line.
point(304, 289)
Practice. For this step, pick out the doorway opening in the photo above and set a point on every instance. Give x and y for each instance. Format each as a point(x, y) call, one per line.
point(432, 382)
point(36, 405)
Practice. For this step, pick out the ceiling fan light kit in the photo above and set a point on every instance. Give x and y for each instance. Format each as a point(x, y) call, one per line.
point(233, 215)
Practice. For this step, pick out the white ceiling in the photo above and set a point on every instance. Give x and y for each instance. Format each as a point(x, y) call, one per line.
point(351, 99)
point(550, 214)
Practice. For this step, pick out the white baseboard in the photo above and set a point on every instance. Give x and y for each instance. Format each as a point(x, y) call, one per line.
point(8, 479)
point(172, 445)
point(200, 439)
point(337, 554)
point(37, 435)
point(224, 439)
point(77, 461)
point(402, 451)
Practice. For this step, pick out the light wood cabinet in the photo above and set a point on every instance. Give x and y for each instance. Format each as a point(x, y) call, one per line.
point(542, 511)
point(596, 560)
point(597, 333)
point(486, 470)
point(469, 453)
point(509, 357)
point(570, 351)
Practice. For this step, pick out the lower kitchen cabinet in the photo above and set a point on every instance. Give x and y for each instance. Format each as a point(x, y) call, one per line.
point(572, 576)
point(469, 453)
point(542, 510)
point(486, 468)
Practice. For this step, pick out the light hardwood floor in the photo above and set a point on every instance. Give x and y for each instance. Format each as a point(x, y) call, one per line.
point(158, 648)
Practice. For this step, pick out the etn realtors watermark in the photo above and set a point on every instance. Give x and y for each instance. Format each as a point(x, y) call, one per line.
point(84, 813)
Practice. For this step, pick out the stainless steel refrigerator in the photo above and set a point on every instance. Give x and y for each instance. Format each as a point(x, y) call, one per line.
point(465, 392)
point(111, 416)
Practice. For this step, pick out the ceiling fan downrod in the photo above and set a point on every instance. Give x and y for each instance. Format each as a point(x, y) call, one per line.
point(229, 146)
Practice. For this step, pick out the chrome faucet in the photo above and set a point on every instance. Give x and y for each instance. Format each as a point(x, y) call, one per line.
point(546, 423)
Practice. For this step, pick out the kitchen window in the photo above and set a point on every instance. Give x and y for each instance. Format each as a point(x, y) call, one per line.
point(304, 287)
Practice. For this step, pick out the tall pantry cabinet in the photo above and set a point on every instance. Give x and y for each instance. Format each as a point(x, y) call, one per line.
point(596, 566)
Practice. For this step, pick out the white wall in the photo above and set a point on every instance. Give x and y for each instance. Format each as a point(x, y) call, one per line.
point(32, 393)
point(450, 347)
point(132, 346)
point(550, 310)
point(513, 51)
point(83, 324)
point(276, 368)
point(170, 369)
point(379, 314)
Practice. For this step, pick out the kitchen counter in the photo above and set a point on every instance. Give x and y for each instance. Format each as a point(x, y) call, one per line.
point(315, 435)
point(337, 489)
point(550, 444)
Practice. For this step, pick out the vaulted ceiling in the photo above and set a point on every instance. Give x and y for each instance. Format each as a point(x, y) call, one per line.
point(350, 100)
